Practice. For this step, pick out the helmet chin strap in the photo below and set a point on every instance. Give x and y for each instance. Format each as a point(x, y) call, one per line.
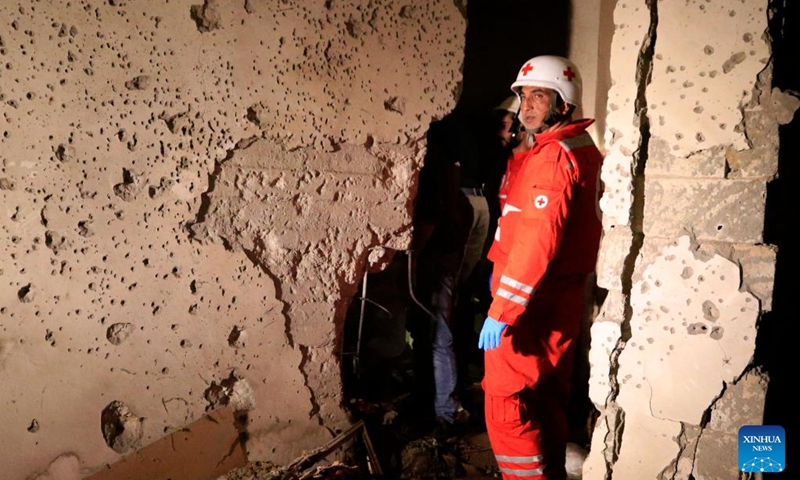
point(553, 115)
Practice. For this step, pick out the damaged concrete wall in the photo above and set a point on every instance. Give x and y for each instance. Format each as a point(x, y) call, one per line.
point(692, 142)
point(190, 192)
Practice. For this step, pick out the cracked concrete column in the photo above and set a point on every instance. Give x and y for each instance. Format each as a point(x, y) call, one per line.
point(692, 136)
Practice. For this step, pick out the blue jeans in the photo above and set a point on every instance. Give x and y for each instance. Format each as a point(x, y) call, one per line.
point(433, 339)
point(444, 357)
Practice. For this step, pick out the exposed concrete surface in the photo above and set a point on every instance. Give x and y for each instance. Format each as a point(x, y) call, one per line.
point(717, 445)
point(615, 245)
point(118, 117)
point(728, 211)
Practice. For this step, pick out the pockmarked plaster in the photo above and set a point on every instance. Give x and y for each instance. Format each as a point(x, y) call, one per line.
point(118, 118)
point(692, 330)
point(707, 57)
point(605, 335)
point(622, 136)
point(757, 263)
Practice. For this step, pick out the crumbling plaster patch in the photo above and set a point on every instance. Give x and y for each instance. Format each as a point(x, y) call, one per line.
point(625, 140)
point(692, 332)
point(757, 263)
point(767, 109)
point(115, 117)
point(605, 335)
point(352, 200)
point(622, 137)
point(707, 58)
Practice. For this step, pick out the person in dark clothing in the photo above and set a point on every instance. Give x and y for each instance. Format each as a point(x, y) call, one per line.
point(443, 220)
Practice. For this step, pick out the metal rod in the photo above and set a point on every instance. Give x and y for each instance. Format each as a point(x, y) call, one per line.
point(378, 305)
point(361, 324)
point(411, 287)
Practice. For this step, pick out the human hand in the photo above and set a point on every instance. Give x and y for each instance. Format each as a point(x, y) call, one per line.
point(490, 334)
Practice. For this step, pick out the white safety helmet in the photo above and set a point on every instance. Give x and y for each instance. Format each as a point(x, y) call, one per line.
point(553, 72)
point(510, 104)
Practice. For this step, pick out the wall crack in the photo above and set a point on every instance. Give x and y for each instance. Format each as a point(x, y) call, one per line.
point(639, 161)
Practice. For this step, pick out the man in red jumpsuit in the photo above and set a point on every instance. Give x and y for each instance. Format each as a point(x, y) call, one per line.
point(545, 247)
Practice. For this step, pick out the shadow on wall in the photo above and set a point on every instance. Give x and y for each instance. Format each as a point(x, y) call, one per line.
point(501, 35)
point(775, 342)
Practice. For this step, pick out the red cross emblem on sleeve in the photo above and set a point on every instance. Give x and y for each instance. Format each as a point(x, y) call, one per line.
point(569, 74)
point(540, 201)
point(527, 68)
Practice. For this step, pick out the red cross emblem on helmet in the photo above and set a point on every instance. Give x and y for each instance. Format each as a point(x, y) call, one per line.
point(569, 74)
point(526, 69)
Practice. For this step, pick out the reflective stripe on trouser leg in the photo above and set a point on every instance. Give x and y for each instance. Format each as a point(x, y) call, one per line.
point(515, 437)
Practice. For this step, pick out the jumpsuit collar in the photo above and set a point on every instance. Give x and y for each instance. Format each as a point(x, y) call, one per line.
point(569, 130)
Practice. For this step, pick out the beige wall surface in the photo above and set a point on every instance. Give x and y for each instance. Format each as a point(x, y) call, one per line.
point(591, 31)
point(190, 193)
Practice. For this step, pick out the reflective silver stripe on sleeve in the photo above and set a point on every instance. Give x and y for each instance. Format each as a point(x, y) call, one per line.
point(510, 459)
point(582, 140)
point(501, 292)
point(518, 285)
point(533, 472)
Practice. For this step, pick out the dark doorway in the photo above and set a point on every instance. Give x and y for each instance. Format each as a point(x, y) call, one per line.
point(501, 36)
point(775, 341)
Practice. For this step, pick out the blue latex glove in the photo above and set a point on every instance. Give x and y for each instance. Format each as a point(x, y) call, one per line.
point(490, 334)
